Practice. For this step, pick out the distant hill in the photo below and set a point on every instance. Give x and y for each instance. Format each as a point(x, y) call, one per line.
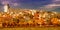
point(54, 8)
point(57, 9)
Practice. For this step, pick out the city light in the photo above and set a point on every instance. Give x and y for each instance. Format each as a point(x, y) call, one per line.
point(28, 17)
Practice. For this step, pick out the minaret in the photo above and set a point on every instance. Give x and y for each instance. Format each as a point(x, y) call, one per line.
point(6, 7)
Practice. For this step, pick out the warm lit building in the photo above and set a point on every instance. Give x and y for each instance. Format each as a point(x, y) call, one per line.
point(6, 7)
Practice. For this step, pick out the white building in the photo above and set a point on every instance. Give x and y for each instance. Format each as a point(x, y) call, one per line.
point(6, 7)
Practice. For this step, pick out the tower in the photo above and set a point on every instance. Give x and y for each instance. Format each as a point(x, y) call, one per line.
point(6, 7)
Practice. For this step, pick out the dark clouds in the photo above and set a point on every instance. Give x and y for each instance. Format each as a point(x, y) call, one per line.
point(29, 3)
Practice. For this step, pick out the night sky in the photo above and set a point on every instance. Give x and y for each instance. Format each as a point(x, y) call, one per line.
point(31, 3)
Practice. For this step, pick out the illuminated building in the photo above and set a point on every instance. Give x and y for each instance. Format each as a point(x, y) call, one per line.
point(6, 7)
